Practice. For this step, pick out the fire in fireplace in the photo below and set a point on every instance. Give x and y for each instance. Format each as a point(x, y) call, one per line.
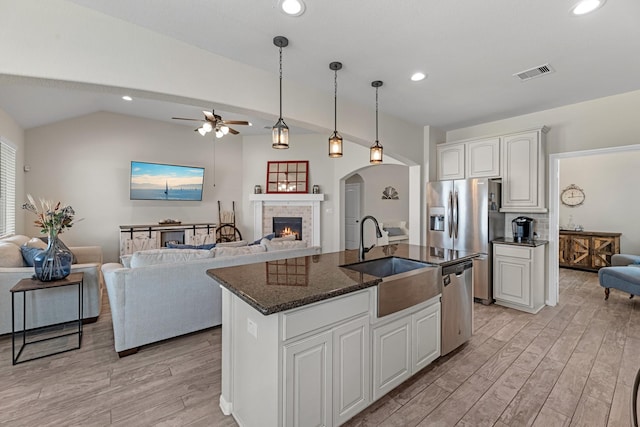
point(287, 226)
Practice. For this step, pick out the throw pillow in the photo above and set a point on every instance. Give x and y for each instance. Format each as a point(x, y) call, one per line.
point(231, 244)
point(28, 254)
point(268, 237)
point(394, 231)
point(10, 256)
point(285, 244)
point(231, 251)
point(181, 246)
point(166, 256)
point(36, 243)
point(284, 238)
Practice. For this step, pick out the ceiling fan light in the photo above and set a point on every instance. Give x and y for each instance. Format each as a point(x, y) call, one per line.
point(375, 153)
point(280, 135)
point(207, 127)
point(335, 145)
point(219, 133)
point(224, 129)
point(202, 131)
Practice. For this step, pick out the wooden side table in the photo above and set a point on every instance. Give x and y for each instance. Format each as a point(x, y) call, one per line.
point(29, 285)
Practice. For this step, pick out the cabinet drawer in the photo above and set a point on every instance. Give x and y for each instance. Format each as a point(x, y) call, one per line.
point(512, 251)
point(324, 313)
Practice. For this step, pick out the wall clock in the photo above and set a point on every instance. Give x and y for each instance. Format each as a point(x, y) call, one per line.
point(572, 196)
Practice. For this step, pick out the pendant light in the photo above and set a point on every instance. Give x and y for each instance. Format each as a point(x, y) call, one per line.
point(375, 152)
point(335, 140)
point(280, 131)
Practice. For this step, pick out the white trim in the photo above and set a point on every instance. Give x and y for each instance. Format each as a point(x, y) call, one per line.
point(554, 208)
point(286, 197)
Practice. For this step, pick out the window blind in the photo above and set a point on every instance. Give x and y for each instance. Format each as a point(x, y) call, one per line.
point(7, 188)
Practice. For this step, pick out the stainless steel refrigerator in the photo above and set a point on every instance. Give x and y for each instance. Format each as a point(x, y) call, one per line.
point(464, 215)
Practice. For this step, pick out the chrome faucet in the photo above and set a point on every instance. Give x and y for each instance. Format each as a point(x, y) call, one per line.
point(361, 249)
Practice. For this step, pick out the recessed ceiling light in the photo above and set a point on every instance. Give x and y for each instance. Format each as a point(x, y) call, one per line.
point(583, 7)
point(292, 7)
point(127, 98)
point(416, 77)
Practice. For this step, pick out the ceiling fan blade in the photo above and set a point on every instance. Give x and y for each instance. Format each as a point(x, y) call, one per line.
point(210, 116)
point(182, 118)
point(236, 122)
point(233, 131)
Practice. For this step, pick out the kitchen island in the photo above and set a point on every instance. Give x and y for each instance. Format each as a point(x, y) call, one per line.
point(302, 342)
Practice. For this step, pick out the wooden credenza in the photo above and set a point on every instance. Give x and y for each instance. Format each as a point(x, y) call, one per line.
point(587, 250)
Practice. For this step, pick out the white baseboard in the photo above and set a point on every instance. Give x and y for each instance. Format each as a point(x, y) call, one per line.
point(226, 407)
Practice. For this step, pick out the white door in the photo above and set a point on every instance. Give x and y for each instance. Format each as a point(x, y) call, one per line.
point(426, 336)
point(351, 215)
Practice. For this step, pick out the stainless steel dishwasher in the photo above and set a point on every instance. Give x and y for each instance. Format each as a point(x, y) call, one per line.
point(457, 305)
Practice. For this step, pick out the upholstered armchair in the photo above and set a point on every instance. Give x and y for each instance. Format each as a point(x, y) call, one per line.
point(624, 275)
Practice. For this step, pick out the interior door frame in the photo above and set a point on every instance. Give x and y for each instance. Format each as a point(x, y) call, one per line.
point(553, 279)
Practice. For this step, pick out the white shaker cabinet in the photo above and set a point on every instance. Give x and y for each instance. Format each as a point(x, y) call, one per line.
point(523, 171)
point(450, 161)
point(519, 276)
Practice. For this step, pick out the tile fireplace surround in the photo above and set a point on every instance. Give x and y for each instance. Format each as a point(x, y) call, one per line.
point(306, 206)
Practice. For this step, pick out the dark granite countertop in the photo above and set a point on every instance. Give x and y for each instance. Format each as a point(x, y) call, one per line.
point(274, 286)
point(528, 243)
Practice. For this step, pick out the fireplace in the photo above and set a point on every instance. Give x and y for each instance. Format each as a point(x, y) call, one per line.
point(287, 226)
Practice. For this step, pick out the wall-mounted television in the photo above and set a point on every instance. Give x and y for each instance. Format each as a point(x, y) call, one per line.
point(157, 181)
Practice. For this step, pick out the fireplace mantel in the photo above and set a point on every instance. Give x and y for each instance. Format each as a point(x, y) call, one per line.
point(260, 201)
point(286, 197)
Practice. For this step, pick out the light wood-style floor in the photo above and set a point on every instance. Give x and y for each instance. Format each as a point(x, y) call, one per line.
point(572, 364)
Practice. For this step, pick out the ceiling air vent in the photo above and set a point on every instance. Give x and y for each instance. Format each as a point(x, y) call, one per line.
point(534, 72)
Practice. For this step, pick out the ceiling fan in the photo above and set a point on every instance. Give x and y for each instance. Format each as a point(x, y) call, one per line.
point(213, 122)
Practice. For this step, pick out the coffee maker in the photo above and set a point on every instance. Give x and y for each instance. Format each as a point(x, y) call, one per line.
point(522, 229)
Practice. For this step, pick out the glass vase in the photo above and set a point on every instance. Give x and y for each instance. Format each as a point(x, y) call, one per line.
point(54, 262)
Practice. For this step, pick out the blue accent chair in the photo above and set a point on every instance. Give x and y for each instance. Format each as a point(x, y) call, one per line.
point(624, 275)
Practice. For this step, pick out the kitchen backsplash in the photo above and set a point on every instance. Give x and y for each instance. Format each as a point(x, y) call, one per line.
point(541, 225)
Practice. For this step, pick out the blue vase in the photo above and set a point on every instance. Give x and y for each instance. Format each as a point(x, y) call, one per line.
point(54, 262)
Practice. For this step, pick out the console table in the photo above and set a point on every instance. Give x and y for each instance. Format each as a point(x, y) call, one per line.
point(30, 285)
point(587, 250)
point(155, 236)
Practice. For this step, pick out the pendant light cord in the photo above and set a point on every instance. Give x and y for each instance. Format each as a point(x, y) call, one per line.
point(335, 101)
point(376, 115)
point(280, 82)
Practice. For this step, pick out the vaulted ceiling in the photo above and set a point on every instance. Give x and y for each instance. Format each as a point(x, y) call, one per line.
point(470, 51)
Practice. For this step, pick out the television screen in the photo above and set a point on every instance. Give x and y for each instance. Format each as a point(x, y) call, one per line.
point(155, 181)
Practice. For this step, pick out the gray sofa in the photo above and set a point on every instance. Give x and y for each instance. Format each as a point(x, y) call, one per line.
point(624, 275)
point(48, 306)
point(163, 293)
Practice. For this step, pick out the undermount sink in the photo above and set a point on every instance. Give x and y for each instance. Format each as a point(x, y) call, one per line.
point(385, 267)
point(404, 284)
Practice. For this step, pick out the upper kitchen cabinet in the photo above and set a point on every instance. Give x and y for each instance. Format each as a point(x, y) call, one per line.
point(450, 161)
point(523, 171)
point(483, 158)
point(470, 159)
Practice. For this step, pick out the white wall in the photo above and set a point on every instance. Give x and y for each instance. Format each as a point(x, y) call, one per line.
point(326, 172)
point(376, 179)
point(11, 131)
point(611, 203)
point(85, 162)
